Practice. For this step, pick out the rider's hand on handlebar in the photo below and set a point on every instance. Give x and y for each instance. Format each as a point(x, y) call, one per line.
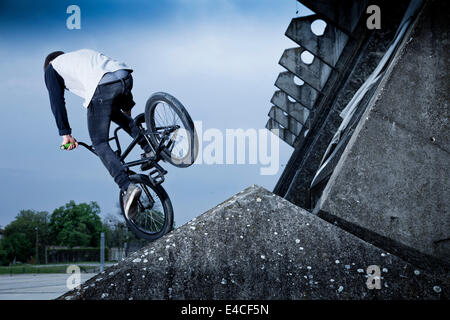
point(69, 139)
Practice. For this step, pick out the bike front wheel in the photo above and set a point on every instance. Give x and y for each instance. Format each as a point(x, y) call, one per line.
point(155, 213)
point(163, 112)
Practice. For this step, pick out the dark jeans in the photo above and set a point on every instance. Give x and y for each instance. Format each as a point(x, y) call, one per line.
point(106, 106)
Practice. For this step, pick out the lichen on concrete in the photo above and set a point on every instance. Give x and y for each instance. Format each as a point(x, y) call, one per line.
point(257, 245)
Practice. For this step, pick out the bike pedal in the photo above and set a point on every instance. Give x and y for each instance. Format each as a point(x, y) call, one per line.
point(156, 176)
point(156, 180)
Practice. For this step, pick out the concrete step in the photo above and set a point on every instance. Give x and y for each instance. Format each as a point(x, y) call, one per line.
point(343, 14)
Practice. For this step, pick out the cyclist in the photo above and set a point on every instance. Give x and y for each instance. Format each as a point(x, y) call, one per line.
point(105, 84)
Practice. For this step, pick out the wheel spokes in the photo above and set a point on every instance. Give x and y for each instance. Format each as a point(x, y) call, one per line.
point(150, 217)
point(166, 118)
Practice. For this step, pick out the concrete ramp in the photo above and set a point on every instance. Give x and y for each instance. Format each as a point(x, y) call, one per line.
point(257, 245)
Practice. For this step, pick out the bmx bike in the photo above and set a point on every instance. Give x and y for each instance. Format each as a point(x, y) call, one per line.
point(169, 130)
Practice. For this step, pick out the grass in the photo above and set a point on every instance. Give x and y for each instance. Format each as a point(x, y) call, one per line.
point(35, 269)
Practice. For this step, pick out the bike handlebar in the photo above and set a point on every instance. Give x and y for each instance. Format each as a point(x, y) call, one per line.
point(139, 119)
point(80, 143)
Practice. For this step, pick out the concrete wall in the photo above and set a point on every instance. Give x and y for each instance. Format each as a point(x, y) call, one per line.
point(359, 58)
point(393, 178)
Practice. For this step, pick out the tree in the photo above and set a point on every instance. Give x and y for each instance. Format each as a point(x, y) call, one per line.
point(17, 247)
point(26, 222)
point(3, 257)
point(117, 232)
point(76, 225)
point(19, 240)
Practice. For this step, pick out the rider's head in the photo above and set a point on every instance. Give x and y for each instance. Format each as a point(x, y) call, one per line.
point(50, 57)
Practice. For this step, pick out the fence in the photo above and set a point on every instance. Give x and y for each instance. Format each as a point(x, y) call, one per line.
point(64, 255)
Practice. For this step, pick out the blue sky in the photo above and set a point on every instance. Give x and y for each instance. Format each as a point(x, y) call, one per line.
point(220, 58)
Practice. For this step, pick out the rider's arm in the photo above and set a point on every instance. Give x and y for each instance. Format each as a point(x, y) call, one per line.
point(55, 87)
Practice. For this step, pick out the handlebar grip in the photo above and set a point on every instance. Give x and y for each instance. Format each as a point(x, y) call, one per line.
point(66, 146)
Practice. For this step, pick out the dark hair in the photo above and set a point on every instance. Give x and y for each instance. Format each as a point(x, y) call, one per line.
point(50, 57)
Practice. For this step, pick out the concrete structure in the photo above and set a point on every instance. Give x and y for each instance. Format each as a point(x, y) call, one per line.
point(389, 180)
point(257, 245)
point(393, 177)
point(353, 57)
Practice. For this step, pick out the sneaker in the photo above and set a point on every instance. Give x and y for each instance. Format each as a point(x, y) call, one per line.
point(147, 165)
point(130, 200)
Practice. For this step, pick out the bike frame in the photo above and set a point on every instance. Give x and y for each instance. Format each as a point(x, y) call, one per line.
point(157, 174)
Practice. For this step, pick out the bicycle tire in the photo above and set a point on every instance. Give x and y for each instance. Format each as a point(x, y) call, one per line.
point(167, 225)
point(150, 107)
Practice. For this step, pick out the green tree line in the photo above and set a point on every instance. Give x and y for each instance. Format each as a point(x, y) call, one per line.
point(71, 225)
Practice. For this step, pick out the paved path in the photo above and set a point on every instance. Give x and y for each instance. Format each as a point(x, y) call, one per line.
point(35, 286)
point(85, 264)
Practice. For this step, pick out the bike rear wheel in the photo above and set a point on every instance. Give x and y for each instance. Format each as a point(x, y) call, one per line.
point(163, 111)
point(155, 213)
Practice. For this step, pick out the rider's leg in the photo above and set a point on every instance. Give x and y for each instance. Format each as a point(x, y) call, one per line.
point(128, 124)
point(125, 101)
point(99, 115)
